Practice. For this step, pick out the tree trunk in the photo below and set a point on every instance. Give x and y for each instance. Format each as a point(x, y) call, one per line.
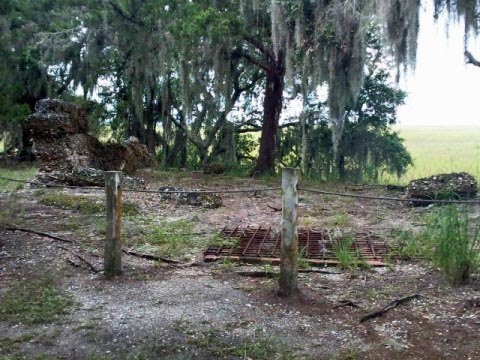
point(341, 167)
point(272, 107)
point(304, 143)
point(136, 128)
point(151, 124)
point(177, 157)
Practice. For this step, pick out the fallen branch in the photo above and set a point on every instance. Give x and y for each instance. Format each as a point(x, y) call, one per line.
point(73, 263)
point(258, 274)
point(318, 271)
point(343, 303)
point(152, 257)
point(54, 237)
point(391, 305)
point(57, 238)
point(270, 274)
point(274, 208)
point(91, 267)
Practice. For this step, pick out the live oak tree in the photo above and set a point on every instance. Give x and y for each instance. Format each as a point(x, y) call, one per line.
point(173, 72)
point(24, 76)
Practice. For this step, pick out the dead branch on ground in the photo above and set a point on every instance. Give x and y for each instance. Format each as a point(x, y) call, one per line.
point(152, 257)
point(79, 257)
point(274, 208)
point(54, 237)
point(391, 305)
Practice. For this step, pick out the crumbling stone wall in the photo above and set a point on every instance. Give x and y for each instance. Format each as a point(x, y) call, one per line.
point(62, 143)
point(451, 186)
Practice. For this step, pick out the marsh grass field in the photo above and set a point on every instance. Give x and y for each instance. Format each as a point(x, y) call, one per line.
point(440, 149)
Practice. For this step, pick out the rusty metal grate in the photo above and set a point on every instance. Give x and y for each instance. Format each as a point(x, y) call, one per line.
point(315, 246)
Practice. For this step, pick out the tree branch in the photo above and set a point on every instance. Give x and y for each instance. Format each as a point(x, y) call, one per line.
point(119, 11)
point(471, 59)
point(258, 45)
point(242, 53)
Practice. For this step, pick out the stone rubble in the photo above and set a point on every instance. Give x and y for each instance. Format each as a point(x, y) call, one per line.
point(67, 151)
point(451, 186)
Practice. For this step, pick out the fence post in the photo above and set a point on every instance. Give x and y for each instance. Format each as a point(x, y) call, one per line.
point(289, 249)
point(112, 259)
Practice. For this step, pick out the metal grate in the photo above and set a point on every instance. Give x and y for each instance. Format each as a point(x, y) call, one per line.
point(315, 246)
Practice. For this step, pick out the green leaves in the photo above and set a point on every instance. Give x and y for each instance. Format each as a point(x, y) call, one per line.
point(199, 23)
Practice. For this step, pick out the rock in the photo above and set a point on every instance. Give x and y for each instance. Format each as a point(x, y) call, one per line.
point(443, 186)
point(192, 197)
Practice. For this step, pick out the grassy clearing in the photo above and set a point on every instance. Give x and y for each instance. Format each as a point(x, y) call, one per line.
point(34, 301)
point(21, 173)
point(440, 149)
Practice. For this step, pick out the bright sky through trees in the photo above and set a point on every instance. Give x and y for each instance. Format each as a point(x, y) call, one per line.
point(443, 89)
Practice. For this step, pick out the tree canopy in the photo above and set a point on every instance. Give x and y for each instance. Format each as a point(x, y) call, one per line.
point(192, 78)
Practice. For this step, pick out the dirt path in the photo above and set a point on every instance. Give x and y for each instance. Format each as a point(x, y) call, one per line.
point(208, 311)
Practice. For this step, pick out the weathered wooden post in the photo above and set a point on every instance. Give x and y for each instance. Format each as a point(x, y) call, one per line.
point(289, 250)
point(112, 259)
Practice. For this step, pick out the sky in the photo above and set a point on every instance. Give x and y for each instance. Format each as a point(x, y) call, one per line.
point(443, 89)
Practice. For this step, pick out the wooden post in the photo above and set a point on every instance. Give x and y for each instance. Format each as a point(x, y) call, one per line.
point(289, 250)
point(112, 259)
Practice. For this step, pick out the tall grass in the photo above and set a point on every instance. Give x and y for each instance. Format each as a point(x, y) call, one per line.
point(440, 149)
point(455, 243)
point(346, 256)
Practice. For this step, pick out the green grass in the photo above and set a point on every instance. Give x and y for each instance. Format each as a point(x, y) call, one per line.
point(165, 238)
point(440, 149)
point(34, 301)
point(456, 243)
point(214, 345)
point(341, 219)
point(20, 173)
point(347, 258)
point(411, 245)
point(86, 205)
point(450, 240)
